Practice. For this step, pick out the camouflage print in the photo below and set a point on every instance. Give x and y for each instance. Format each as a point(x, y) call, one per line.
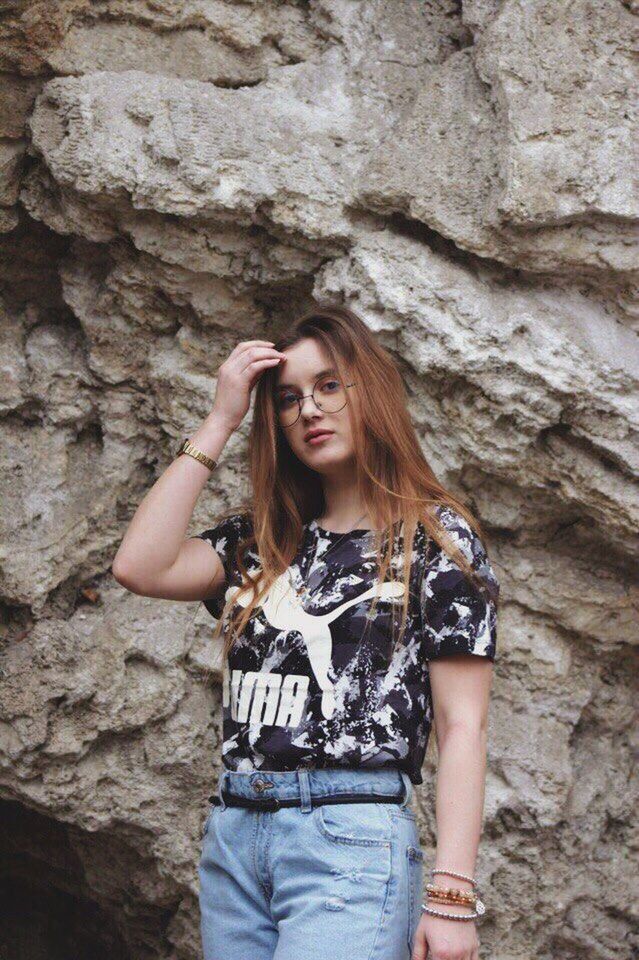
point(306, 686)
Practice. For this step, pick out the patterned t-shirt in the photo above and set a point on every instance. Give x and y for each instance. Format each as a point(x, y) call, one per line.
point(306, 686)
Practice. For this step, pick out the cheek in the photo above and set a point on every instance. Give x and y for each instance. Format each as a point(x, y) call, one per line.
point(296, 442)
point(343, 440)
point(344, 427)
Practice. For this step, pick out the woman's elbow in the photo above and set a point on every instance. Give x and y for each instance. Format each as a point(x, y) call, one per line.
point(467, 728)
point(124, 575)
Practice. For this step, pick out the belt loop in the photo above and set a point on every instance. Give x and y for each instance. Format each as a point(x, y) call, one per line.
point(220, 787)
point(306, 805)
point(409, 788)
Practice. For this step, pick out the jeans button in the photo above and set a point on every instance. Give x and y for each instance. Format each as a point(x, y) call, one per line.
point(262, 784)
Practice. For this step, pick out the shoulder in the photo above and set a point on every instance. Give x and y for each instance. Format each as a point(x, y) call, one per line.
point(463, 536)
point(460, 531)
point(228, 531)
point(457, 615)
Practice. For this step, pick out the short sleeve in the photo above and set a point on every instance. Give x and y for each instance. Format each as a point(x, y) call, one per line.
point(457, 617)
point(224, 538)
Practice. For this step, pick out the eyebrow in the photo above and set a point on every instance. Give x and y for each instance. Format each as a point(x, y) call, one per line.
point(322, 373)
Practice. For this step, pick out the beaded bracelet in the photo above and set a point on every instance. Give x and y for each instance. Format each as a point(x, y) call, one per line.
point(454, 897)
point(449, 916)
point(434, 899)
point(479, 906)
point(460, 876)
point(451, 893)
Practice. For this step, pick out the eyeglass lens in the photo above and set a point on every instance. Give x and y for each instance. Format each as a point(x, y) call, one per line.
point(328, 395)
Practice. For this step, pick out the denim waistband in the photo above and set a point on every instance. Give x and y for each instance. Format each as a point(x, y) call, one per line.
point(306, 783)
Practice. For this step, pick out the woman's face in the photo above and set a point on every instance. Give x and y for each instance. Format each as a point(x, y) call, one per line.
point(321, 437)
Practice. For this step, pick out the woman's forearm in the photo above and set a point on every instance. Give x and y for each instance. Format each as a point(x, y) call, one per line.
point(156, 532)
point(461, 773)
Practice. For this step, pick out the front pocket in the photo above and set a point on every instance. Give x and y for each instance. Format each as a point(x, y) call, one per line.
point(364, 824)
point(415, 878)
point(403, 813)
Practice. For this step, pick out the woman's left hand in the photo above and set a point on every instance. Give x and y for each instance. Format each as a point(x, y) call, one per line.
point(439, 939)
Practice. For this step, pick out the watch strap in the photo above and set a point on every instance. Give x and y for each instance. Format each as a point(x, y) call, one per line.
point(192, 451)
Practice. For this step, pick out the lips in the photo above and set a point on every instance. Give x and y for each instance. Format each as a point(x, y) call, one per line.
point(316, 436)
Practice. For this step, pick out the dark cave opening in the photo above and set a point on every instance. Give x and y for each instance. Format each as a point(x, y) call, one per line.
point(43, 922)
point(71, 893)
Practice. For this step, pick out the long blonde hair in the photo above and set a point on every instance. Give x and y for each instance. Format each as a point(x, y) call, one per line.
point(395, 481)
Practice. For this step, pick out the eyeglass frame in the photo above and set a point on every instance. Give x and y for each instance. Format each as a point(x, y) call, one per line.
point(312, 394)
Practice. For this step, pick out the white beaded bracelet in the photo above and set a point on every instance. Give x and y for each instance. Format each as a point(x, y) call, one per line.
point(460, 876)
point(449, 916)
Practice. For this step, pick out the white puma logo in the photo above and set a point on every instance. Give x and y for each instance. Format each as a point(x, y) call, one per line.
point(265, 698)
point(284, 612)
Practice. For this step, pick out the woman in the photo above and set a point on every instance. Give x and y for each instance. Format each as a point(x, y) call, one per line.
point(350, 595)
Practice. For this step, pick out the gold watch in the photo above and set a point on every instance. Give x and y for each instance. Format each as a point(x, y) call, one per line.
point(187, 447)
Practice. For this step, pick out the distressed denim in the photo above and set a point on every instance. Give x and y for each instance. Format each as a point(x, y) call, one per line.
point(338, 881)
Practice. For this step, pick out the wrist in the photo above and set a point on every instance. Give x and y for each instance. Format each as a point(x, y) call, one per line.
point(448, 880)
point(456, 908)
point(222, 421)
point(211, 435)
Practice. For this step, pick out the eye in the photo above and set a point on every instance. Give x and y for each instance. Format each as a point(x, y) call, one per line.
point(285, 400)
point(330, 386)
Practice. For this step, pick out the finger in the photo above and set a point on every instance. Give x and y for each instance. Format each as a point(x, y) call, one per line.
point(242, 362)
point(420, 946)
point(245, 345)
point(240, 349)
point(258, 367)
point(238, 363)
point(255, 355)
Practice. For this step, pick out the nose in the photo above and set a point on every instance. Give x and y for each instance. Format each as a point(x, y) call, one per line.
point(314, 409)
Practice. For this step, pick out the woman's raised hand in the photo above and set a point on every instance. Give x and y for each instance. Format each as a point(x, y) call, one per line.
point(238, 375)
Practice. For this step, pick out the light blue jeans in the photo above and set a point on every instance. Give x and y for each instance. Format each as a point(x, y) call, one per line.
point(306, 883)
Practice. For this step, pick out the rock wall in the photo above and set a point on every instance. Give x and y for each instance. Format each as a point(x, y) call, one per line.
point(177, 176)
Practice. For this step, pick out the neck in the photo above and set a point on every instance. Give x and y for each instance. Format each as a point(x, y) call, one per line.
point(343, 503)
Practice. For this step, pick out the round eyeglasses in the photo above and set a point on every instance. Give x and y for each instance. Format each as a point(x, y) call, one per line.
point(329, 396)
